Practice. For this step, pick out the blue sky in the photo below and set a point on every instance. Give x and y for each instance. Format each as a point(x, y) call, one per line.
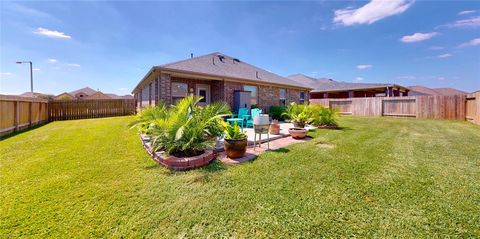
point(111, 45)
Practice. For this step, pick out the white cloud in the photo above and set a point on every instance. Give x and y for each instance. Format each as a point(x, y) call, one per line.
point(416, 37)
point(53, 61)
point(72, 64)
point(359, 79)
point(474, 42)
point(466, 12)
point(406, 77)
point(361, 67)
point(444, 55)
point(371, 12)
point(36, 69)
point(6, 74)
point(51, 33)
point(436, 48)
point(470, 22)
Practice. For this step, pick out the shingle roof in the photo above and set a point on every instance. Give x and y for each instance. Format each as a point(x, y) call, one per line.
point(309, 81)
point(87, 90)
point(422, 90)
point(325, 85)
point(219, 64)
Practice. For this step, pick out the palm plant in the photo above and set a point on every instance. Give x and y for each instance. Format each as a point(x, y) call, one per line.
point(145, 117)
point(187, 129)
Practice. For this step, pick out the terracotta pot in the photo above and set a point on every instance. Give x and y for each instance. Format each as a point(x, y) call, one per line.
point(298, 124)
point(298, 133)
point(235, 148)
point(274, 127)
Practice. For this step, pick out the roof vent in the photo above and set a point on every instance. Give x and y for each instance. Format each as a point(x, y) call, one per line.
point(221, 57)
point(236, 60)
point(256, 74)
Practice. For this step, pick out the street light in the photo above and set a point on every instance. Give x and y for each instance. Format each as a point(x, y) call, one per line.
point(31, 74)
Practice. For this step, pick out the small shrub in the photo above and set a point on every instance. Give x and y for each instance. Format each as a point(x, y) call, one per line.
point(276, 112)
point(324, 116)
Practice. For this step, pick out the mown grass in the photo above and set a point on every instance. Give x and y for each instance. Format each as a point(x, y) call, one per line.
point(382, 178)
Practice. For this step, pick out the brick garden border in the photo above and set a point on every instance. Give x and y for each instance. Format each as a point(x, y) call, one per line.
point(176, 163)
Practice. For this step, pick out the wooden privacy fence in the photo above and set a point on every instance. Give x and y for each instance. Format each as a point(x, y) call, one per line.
point(456, 107)
point(17, 113)
point(84, 109)
point(473, 107)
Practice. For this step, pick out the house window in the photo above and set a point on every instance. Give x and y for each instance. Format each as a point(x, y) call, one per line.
point(302, 97)
point(145, 96)
point(254, 93)
point(283, 97)
point(179, 91)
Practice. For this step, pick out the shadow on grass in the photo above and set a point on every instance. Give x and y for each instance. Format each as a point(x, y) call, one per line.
point(281, 150)
point(21, 131)
point(214, 166)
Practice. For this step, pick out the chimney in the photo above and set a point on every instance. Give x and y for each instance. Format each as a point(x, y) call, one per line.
point(213, 60)
point(191, 55)
point(256, 74)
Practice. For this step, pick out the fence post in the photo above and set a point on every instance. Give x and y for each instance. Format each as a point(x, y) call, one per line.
point(29, 113)
point(17, 114)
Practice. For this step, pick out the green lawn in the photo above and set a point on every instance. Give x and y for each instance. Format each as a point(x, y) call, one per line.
point(384, 177)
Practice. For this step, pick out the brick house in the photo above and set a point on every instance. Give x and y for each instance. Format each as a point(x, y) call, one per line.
point(89, 93)
point(327, 88)
point(216, 77)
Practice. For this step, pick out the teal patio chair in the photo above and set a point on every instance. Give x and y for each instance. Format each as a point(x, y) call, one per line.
point(254, 112)
point(243, 113)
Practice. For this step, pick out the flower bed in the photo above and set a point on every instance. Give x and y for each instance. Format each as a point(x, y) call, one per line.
point(177, 163)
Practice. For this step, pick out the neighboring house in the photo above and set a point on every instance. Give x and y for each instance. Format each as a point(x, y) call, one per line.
point(89, 93)
point(98, 95)
point(114, 96)
point(36, 95)
point(64, 96)
point(216, 77)
point(422, 90)
point(328, 88)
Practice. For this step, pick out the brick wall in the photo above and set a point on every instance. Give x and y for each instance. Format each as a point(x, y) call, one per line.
point(228, 89)
point(217, 93)
point(268, 96)
point(165, 89)
point(220, 91)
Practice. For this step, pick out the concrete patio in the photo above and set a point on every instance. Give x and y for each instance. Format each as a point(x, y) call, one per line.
point(251, 135)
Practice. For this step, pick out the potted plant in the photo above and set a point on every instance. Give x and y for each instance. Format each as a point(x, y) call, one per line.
point(300, 115)
point(298, 133)
point(274, 127)
point(235, 141)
